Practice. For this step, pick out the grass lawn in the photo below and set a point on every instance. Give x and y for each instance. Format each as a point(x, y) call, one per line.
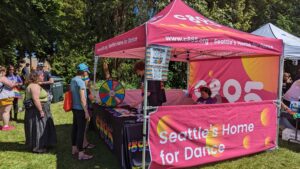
point(13, 153)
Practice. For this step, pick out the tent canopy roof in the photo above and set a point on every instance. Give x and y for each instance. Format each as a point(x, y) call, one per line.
point(190, 35)
point(291, 42)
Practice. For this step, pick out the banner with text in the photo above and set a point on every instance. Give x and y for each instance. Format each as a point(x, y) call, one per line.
point(186, 136)
point(236, 80)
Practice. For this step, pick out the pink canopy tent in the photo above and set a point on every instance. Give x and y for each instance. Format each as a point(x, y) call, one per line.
point(191, 37)
point(186, 31)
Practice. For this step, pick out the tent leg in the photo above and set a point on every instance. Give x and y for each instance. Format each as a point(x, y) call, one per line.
point(95, 68)
point(281, 67)
point(144, 123)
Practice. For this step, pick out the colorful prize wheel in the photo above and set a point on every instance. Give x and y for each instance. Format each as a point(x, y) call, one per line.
point(111, 93)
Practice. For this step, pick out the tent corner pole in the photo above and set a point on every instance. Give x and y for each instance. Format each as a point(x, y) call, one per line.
point(145, 118)
point(281, 67)
point(96, 58)
point(144, 122)
point(187, 75)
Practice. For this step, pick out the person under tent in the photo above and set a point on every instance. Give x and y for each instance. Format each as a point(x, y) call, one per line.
point(205, 97)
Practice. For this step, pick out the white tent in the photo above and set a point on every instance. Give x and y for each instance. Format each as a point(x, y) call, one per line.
point(291, 42)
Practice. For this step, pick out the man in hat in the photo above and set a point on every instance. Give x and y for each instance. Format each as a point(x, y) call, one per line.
point(48, 80)
point(26, 71)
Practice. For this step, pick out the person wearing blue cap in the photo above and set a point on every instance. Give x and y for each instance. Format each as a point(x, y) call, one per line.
point(80, 112)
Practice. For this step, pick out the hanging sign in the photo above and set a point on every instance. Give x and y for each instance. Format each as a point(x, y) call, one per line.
point(157, 63)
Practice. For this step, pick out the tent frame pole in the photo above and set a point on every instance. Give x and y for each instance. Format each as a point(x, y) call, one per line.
point(280, 82)
point(145, 108)
point(187, 75)
point(145, 121)
point(96, 58)
point(94, 88)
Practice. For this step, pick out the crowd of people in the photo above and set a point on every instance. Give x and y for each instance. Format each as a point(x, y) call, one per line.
point(39, 127)
point(40, 132)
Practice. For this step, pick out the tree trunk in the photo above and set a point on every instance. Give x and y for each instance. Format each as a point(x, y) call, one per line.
point(106, 70)
point(30, 62)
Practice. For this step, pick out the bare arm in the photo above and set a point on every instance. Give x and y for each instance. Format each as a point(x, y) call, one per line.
point(35, 91)
point(7, 82)
point(50, 81)
point(83, 103)
point(286, 108)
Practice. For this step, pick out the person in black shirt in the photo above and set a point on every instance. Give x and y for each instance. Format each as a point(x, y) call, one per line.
point(26, 72)
point(48, 80)
point(156, 92)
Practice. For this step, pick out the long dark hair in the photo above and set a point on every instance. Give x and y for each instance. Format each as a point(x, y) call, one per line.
point(206, 90)
point(8, 68)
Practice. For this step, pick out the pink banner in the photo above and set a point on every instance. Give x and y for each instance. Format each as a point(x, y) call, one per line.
point(191, 36)
point(132, 39)
point(236, 80)
point(186, 136)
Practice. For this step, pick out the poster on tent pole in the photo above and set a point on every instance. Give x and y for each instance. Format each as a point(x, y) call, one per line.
point(157, 62)
point(186, 136)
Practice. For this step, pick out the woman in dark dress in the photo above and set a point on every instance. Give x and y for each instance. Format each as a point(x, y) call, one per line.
point(40, 131)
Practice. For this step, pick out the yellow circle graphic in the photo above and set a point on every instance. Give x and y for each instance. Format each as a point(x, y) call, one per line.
point(213, 139)
point(263, 69)
point(265, 117)
point(267, 141)
point(210, 73)
point(162, 124)
point(246, 142)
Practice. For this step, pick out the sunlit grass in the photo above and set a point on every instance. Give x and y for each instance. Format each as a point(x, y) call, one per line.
point(14, 155)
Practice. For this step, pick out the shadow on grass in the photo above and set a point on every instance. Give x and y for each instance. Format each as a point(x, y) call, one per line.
point(19, 121)
point(289, 145)
point(13, 146)
point(103, 158)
